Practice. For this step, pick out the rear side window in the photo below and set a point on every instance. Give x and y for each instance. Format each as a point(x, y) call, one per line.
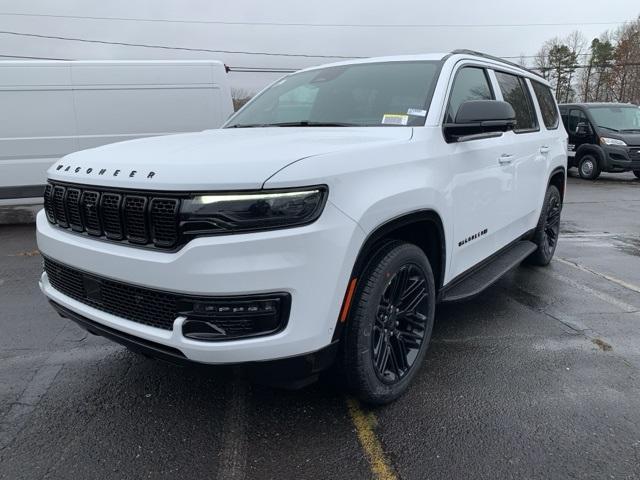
point(470, 83)
point(515, 91)
point(547, 105)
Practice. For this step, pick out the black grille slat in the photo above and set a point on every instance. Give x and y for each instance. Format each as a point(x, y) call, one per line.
point(59, 207)
point(48, 203)
point(135, 219)
point(138, 218)
point(89, 212)
point(111, 216)
point(73, 209)
point(164, 221)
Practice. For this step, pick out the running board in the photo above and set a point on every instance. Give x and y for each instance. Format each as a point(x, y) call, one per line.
point(490, 273)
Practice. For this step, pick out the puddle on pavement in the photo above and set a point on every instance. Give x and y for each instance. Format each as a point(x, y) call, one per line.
point(629, 244)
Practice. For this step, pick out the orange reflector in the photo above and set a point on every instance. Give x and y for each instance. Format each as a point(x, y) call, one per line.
point(347, 300)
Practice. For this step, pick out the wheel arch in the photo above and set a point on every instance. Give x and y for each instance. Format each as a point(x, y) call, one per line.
point(423, 228)
point(590, 148)
point(558, 178)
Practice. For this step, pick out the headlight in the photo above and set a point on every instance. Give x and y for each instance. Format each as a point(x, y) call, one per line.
point(251, 211)
point(612, 141)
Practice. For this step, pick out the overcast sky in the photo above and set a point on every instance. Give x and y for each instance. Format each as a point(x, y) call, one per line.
point(312, 40)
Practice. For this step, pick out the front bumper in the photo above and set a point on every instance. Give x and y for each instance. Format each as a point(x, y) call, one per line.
point(622, 158)
point(311, 263)
point(291, 372)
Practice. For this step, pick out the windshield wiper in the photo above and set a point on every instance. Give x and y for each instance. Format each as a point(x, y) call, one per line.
point(306, 123)
point(250, 125)
point(630, 130)
point(609, 128)
point(303, 123)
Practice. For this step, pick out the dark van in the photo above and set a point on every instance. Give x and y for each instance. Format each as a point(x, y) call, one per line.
point(603, 137)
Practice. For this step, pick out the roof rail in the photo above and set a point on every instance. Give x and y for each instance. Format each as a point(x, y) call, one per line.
point(463, 51)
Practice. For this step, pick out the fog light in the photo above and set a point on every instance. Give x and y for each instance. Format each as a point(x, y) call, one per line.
point(231, 318)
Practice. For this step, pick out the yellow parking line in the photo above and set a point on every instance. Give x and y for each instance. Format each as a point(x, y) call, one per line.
point(364, 423)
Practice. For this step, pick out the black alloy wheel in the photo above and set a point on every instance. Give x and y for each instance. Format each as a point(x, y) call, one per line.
point(400, 324)
point(389, 324)
point(552, 224)
point(548, 229)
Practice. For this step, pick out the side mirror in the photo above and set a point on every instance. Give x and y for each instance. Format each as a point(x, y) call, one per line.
point(480, 119)
point(583, 129)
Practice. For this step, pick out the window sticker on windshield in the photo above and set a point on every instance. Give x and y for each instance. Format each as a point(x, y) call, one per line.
point(417, 112)
point(395, 119)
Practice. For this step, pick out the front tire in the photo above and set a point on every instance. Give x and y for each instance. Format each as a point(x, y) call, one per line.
point(390, 324)
point(588, 167)
point(548, 228)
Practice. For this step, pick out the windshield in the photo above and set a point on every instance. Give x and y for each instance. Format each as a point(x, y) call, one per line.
point(370, 94)
point(616, 118)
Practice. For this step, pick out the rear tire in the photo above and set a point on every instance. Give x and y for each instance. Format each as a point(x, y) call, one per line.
point(390, 324)
point(588, 167)
point(636, 173)
point(548, 228)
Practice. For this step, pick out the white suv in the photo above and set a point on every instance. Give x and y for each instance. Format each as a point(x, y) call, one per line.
point(319, 226)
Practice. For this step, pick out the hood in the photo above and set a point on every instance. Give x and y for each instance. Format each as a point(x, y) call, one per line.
point(224, 159)
point(630, 138)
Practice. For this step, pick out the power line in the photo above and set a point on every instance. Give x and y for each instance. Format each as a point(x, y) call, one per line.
point(301, 24)
point(209, 50)
point(31, 58)
point(167, 47)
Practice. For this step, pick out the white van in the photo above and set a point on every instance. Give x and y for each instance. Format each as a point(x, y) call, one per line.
point(52, 108)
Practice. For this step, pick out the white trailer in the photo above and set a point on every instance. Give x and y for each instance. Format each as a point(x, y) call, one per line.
point(51, 108)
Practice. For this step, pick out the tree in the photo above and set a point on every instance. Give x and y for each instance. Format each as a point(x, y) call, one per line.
point(625, 77)
point(557, 60)
point(240, 96)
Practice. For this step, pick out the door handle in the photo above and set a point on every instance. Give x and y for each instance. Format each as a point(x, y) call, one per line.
point(505, 159)
point(544, 149)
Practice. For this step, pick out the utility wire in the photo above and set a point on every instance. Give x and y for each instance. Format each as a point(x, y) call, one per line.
point(31, 58)
point(209, 50)
point(301, 24)
point(167, 47)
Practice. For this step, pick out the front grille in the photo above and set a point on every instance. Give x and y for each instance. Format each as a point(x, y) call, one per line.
point(137, 218)
point(141, 305)
point(236, 317)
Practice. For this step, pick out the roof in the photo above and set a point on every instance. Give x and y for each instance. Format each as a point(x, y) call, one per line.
point(433, 57)
point(596, 104)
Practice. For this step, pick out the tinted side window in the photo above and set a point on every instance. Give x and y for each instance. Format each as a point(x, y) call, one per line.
point(547, 105)
point(515, 91)
point(576, 117)
point(470, 83)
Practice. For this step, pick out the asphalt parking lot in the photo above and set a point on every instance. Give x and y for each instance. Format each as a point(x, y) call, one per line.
point(537, 378)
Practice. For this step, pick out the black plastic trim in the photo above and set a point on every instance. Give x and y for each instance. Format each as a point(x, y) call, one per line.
point(21, 191)
point(479, 266)
point(183, 298)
